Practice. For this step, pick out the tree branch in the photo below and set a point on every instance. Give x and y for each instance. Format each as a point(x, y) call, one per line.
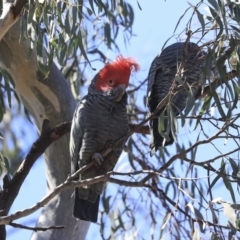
point(182, 155)
point(17, 7)
point(68, 185)
point(64, 186)
point(35, 229)
point(198, 219)
point(11, 189)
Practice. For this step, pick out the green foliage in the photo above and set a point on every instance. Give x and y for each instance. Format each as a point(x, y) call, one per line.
point(185, 197)
point(76, 33)
point(72, 34)
point(6, 92)
point(4, 166)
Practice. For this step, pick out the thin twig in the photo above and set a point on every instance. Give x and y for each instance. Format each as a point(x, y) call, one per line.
point(182, 155)
point(137, 88)
point(35, 229)
point(198, 219)
point(64, 186)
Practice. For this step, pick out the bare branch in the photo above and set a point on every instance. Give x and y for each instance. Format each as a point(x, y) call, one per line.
point(212, 159)
point(35, 229)
point(141, 130)
point(64, 186)
point(11, 189)
point(199, 220)
point(17, 7)
point(182, 155)
point(138, 87)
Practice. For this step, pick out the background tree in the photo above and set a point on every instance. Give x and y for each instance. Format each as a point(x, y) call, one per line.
point(176, 191)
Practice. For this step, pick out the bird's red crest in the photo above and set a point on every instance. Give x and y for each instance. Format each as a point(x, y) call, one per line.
point(119, 71)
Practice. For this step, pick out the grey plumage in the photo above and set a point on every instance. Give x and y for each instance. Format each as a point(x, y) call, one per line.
point(184, 60)
point(99, 121)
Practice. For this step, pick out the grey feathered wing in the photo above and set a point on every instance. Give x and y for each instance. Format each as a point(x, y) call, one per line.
point(83, 209)
point(161, 79)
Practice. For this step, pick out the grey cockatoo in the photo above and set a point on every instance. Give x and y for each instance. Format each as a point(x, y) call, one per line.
point(184, 60)
point(100, 119)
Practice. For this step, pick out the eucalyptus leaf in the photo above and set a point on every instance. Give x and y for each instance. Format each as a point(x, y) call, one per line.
point(201, 20)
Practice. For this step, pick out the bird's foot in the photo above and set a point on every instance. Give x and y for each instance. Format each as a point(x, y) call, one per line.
point(98, 158)
point(112, 145)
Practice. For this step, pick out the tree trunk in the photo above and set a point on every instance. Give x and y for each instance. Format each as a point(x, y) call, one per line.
point(49, 100)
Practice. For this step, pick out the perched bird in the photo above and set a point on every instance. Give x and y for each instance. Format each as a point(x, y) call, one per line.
point(100, 119)
point(178, 64)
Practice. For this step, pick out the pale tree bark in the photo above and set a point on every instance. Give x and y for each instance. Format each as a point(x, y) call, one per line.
point(49, 100)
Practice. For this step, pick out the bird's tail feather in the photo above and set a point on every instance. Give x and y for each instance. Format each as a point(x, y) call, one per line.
point(85, 210)
point(157, 139)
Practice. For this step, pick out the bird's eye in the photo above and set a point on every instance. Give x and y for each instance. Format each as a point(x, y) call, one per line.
point(110, 82)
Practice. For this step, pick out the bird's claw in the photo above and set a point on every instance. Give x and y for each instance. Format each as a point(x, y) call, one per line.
point(98, 158)
point(112, 145)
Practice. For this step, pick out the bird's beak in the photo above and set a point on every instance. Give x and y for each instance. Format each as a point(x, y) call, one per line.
point(121, 90)
point(123, 87)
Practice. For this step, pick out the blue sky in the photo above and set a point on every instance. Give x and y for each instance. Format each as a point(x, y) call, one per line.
point(153, 25)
